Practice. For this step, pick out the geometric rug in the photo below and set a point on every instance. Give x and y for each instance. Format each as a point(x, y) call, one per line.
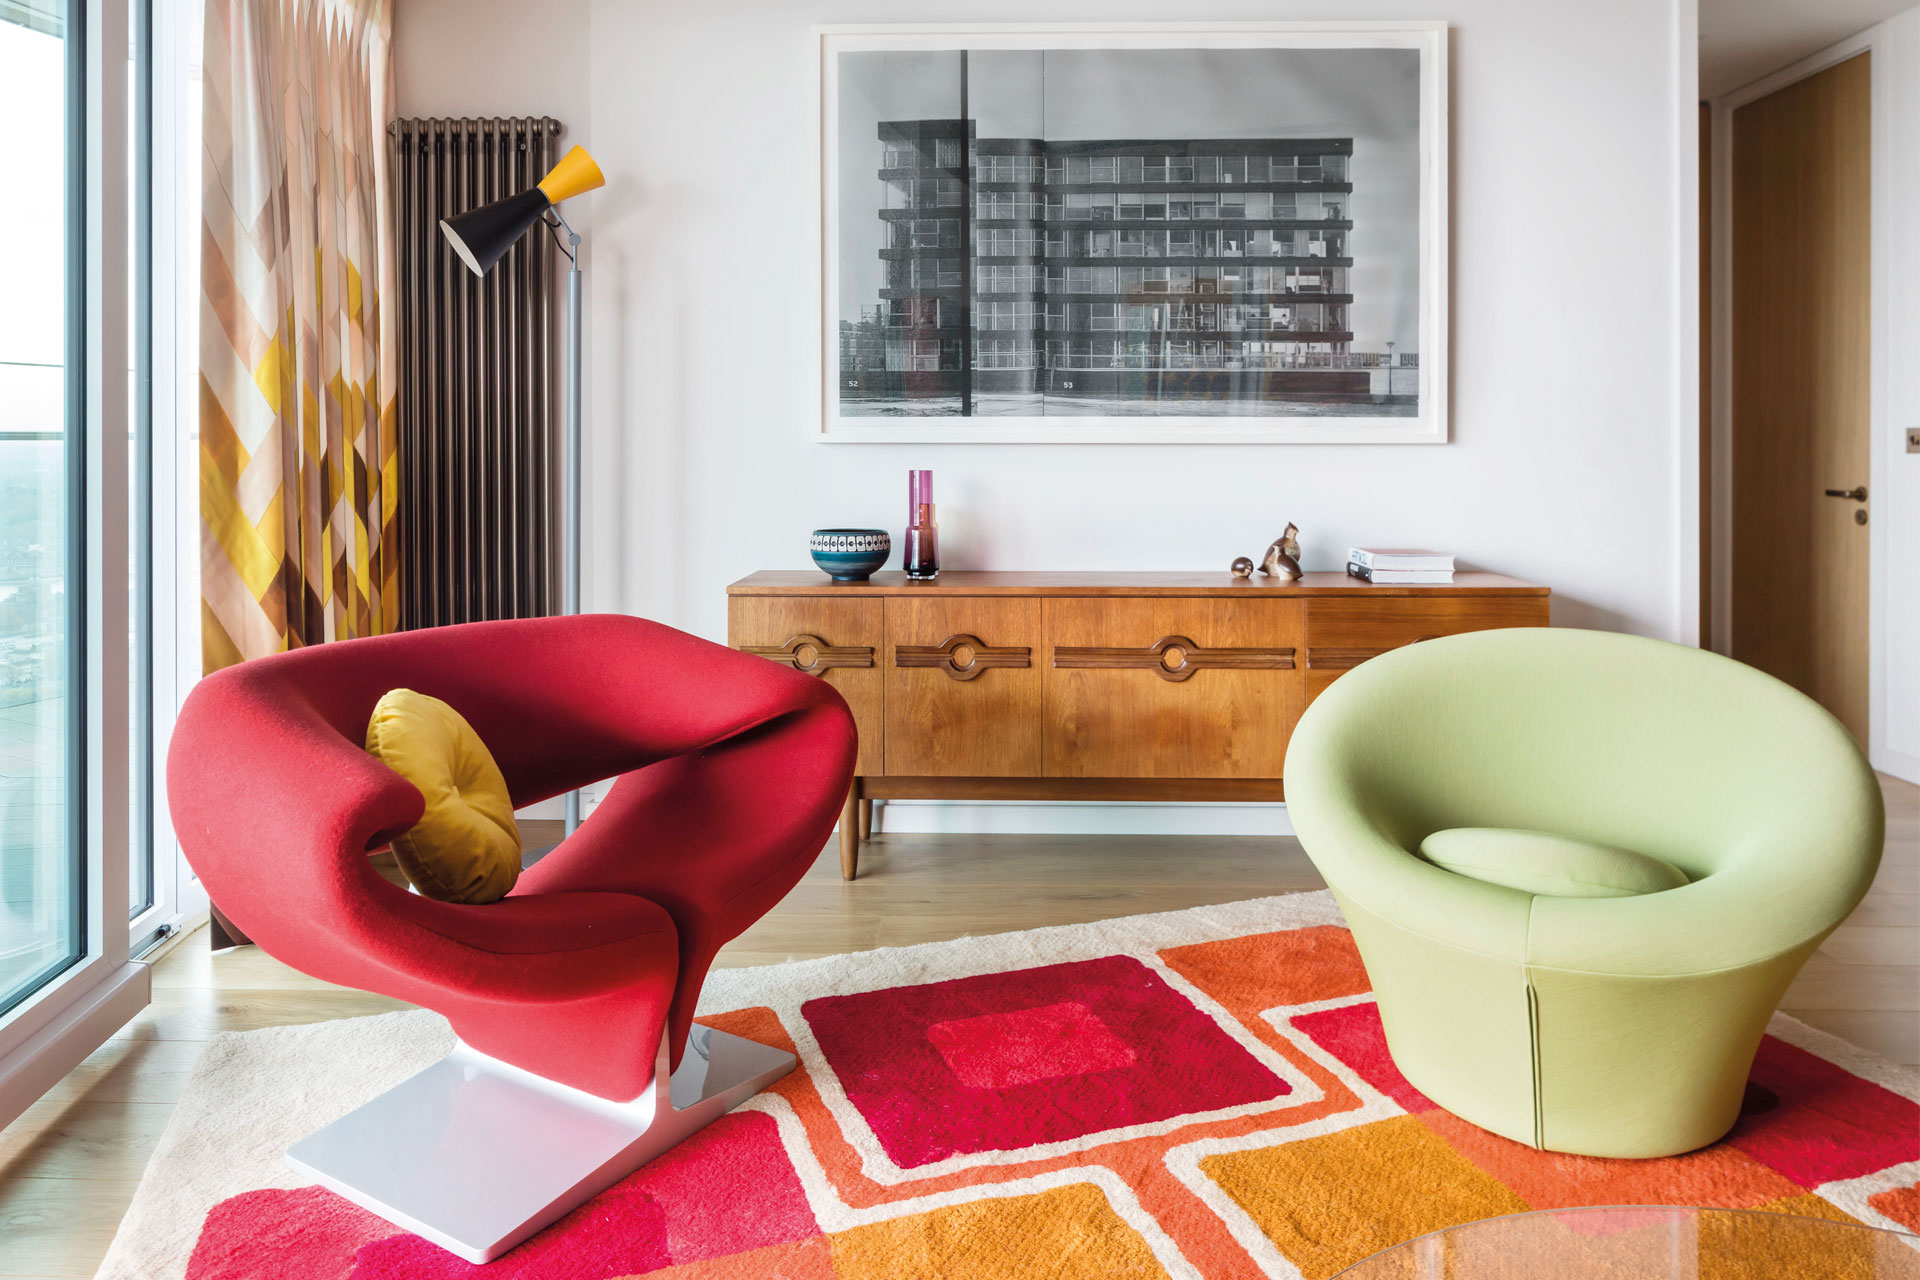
point(1200, 1093)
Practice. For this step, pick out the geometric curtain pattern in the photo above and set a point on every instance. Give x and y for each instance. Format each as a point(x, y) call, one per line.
point(298, 467)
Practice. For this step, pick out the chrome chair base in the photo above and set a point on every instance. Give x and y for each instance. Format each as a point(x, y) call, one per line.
point(477, 1155)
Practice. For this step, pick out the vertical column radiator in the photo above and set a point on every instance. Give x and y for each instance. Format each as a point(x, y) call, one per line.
point(478, 400)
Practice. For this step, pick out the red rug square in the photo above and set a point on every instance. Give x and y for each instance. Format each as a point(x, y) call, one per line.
point(998, 1050)
point(923, 1108)
point(1813, 1121)
point(1353, 1034)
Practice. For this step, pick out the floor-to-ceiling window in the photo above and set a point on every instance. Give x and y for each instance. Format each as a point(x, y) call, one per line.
point(42, 419)
point(74, 521)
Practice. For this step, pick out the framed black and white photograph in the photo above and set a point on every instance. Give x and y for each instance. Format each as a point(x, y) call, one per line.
point(1147, 232)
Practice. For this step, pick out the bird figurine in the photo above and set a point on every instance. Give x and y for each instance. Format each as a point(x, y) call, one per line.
point(1283, 557)
point(1242, 567)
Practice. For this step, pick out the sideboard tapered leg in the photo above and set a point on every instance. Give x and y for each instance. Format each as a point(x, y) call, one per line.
point(850, 825)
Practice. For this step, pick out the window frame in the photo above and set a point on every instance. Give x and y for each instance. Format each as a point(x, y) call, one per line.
point(48, 1031)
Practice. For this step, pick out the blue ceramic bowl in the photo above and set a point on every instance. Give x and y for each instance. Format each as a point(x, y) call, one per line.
point(850, 555)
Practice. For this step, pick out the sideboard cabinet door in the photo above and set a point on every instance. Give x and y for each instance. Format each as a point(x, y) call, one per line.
point(963, 687)
point(1342, 633)
point(1171, 688)
point(837, 640)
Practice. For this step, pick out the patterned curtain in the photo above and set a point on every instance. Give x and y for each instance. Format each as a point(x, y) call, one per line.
point(298, 473)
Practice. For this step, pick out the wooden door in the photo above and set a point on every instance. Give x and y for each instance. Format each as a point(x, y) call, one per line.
point(1801, 367)
point(836, 640)
point(1171, 688)
point(963, 687)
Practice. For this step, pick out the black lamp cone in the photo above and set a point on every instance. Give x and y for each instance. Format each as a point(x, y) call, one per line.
point(482, 236)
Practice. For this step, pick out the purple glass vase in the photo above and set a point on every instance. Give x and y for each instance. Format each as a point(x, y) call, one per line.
point(922, 558)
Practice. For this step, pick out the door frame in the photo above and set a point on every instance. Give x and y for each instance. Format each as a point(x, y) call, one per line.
point(1720, 556)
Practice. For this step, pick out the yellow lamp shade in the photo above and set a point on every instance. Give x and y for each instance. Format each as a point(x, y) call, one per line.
point(575, 173)
point(482, 236)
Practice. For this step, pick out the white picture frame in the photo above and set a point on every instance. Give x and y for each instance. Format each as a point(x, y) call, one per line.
point(860, 394)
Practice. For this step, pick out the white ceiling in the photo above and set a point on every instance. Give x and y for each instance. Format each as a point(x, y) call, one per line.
point(1742, 40)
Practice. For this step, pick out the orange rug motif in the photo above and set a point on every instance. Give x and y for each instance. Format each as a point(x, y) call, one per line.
point(1196, 1094)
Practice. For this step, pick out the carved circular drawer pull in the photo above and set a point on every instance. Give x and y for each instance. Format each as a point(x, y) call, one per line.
point(1173, 658)
point(813, 655)
point(963, 657)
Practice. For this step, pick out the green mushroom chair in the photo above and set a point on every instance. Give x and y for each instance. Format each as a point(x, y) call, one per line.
point(1581, 868)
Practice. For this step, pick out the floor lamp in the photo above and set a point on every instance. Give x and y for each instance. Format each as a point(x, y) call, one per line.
point(482, 237)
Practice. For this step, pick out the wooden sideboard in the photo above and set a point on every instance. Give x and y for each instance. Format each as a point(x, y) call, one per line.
point(1089, 686)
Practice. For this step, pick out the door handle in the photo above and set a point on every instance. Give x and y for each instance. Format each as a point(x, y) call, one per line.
point(1858, 493)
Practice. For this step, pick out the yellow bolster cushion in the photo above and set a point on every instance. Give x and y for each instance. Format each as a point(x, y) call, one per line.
point(465, 848)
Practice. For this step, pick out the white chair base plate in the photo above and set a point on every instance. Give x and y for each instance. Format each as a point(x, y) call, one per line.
point(477, 1155)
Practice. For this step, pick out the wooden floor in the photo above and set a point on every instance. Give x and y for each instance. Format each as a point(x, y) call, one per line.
point(69, 1166)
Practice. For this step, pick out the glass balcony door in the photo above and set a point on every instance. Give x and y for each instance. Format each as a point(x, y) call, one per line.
point(42, 401)
point(66, 981)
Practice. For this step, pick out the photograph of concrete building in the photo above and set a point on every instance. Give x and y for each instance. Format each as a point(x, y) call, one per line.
point(1065, 237)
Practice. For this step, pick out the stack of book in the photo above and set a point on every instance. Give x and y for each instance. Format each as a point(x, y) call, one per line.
point(1389, 565)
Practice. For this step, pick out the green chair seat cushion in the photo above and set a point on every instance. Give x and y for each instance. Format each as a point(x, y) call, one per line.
point(1539, 862)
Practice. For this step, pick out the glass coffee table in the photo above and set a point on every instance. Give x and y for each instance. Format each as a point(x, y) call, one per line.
point(1648, 1243)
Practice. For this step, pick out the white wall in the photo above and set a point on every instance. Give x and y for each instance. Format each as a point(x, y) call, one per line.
point(1572, 364)
point(492, 58)
point(1896, 473)
point(1572, 314)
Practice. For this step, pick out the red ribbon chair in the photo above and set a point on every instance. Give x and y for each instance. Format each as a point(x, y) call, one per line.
point(573, 997)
